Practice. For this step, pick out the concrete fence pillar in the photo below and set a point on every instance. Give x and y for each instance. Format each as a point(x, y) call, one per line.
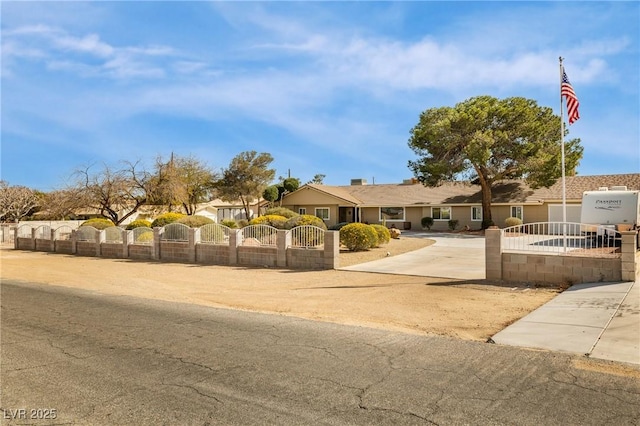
point(493, 253)
point(101, 237)
point(194, 238)
point(332, 249)
point(74, 241)
point(283, 241)
point(628, 253)
point(155, 250)
point(235, 241)
point(127, 236)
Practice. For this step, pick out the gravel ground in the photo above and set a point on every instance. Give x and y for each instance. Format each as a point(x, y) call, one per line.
point(461, 309)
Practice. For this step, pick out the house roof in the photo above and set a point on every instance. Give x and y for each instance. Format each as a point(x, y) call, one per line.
point(513, 191)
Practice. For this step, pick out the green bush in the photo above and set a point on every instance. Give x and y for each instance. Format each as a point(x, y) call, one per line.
point(453, 224)
point(165, 219)
point(383, 234)
point(242, 223)
point(139, 223)
point(274, 220)
point(98, 223)
point(305, 219)
point(281, 211)
point(427, 222)
point(195, 221)
point(229, 223)
point(512, 221)
point(358, 236)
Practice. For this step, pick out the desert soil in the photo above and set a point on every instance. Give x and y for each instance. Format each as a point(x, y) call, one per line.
point(461, 309)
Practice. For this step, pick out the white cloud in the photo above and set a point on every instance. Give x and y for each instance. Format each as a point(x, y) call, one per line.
point(63, 51)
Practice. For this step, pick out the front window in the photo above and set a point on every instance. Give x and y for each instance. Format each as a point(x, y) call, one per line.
point(476, 213)
point(302, 210)
point(516, 211)
point(322, 213)
point(441, 213)
point(391, 213)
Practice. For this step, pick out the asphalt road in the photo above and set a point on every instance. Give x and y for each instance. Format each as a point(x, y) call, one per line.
point(87, 358)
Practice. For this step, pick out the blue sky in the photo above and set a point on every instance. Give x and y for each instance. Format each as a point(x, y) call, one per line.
point(325, 87)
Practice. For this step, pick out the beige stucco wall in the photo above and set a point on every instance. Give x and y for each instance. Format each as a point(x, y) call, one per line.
point(311, 199)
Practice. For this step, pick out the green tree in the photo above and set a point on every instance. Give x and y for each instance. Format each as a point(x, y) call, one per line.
point(246, 178)
point(271, 194)
point(286, 186)
point(318, 179)
point(490, 140)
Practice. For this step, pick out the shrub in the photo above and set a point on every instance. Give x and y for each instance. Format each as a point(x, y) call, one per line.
point(229, 223)
point(305, 219)
point(145, 237)
point(383, 234)
point(427, 222)
point(281, 211)
point(98, 223)
point(453, 224)
point(338, 226)
point(274, 220)
point(242, 223)
point(139, 223)
point(195, 221)
point(165, 219)
point(512, 221)
point(358, 236)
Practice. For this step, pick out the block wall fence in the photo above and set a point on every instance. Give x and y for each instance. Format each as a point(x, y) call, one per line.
point(282, 255)
point(556, 269)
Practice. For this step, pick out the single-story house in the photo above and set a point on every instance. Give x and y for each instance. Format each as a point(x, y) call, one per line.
point(405, 204)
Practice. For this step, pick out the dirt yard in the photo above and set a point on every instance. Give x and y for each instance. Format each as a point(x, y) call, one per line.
point(467, 310)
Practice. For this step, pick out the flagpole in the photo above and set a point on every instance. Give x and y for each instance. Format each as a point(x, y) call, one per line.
point(564, 188)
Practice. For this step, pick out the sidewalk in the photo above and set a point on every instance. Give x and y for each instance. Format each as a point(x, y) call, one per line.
point(600, 320)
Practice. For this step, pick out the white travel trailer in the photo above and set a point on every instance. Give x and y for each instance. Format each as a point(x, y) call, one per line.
point(616, 207)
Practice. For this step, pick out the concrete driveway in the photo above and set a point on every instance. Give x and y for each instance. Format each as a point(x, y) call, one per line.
point(600, 320)
point(456, 256)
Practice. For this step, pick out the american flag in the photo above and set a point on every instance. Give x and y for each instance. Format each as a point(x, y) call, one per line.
point(566, 90)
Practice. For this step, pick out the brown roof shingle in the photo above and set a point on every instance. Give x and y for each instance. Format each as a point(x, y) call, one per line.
point(515, 191)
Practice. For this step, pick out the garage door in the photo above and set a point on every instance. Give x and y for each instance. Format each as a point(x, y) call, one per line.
point(573, 213)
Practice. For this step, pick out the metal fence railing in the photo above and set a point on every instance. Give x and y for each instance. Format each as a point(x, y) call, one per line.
point(62, 233)
point(142, 235)
point(175, 232)
point(258, 235)
point(24, 231)
point(562, 237)
point(214, 233)
point(307, 236)
point(86, 233)
point(113, 234)
point(43, 232)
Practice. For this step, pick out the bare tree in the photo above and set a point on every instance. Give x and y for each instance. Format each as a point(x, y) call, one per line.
point(16, 202)
point(115, 193)
point(62, 204)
